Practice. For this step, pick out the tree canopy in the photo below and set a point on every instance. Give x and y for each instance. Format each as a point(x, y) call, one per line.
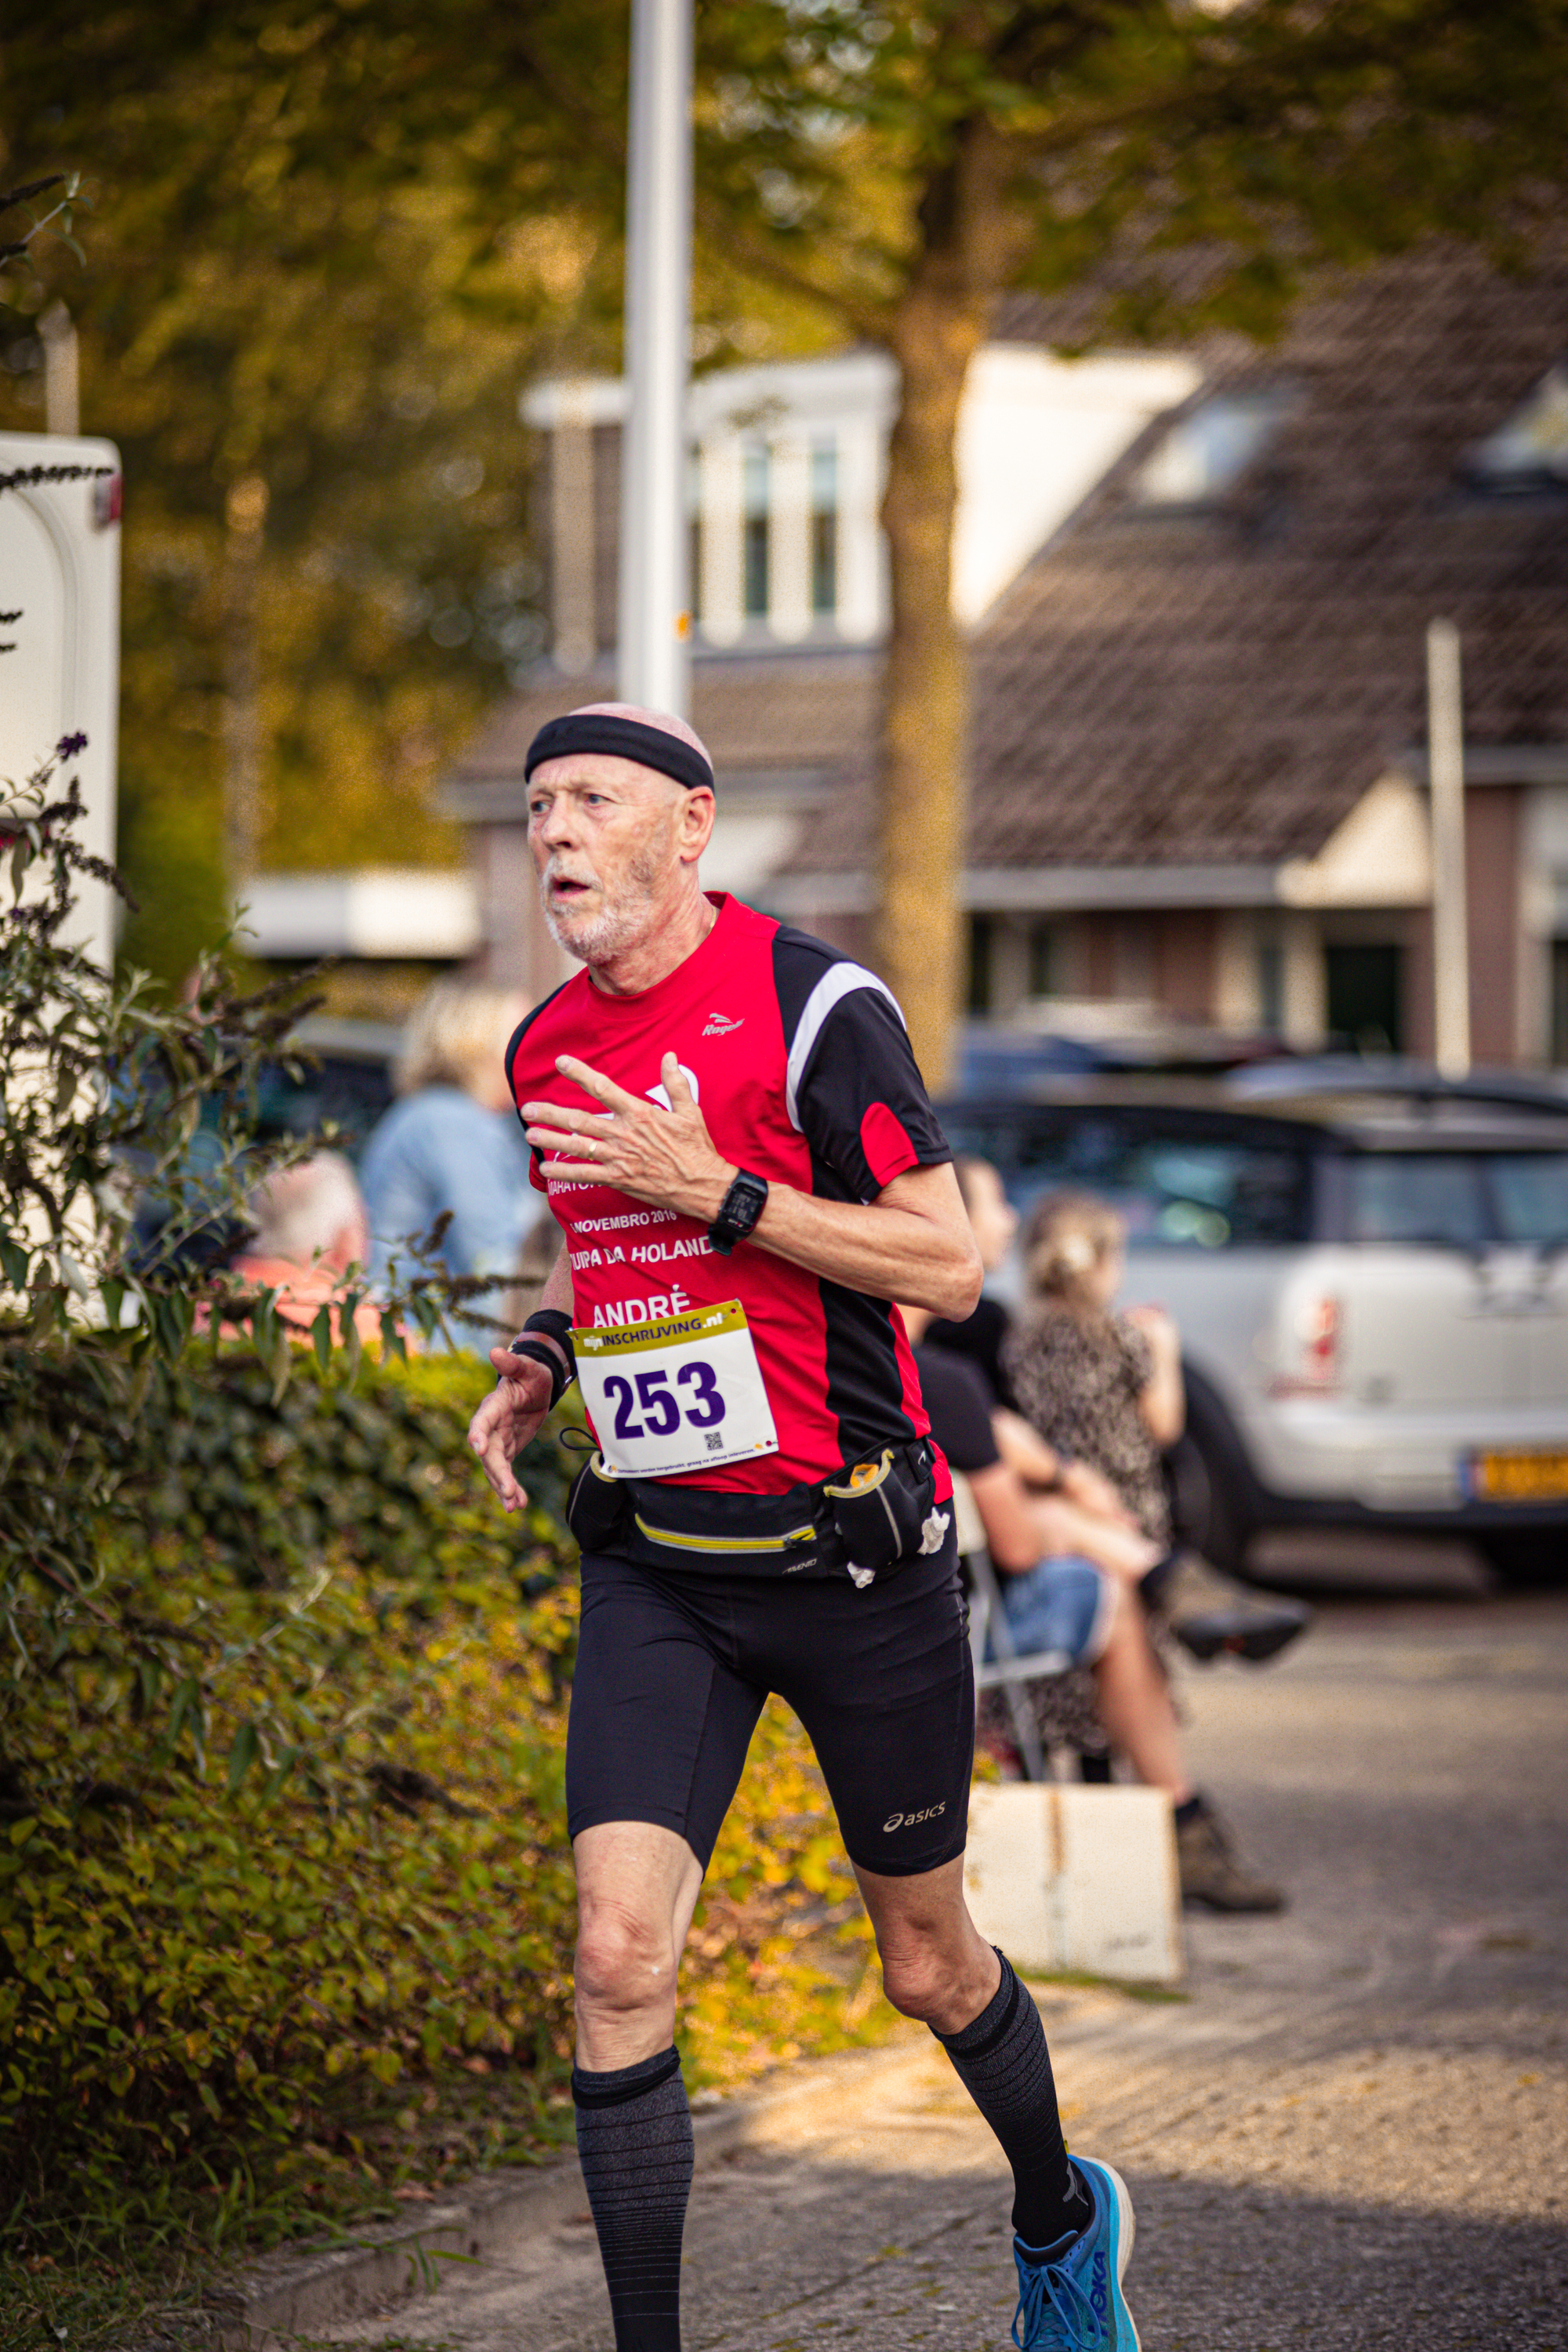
point(331, 240)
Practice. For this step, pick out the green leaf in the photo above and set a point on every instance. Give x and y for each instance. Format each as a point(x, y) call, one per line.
point(242, 1755)
point(16, 1263)
point(322, 1337)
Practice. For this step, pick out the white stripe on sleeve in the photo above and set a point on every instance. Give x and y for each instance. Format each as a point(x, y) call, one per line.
point(840, 981)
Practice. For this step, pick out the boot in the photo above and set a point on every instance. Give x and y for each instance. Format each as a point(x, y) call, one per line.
point(1211, 1873)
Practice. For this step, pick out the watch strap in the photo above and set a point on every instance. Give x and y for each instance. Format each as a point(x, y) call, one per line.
point(739, 1210)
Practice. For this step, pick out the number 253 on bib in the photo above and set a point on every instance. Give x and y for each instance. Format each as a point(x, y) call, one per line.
point(683, 1394)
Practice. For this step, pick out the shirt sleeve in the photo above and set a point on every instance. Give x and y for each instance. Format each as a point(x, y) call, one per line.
point(861, 1102)
point(956, 1398)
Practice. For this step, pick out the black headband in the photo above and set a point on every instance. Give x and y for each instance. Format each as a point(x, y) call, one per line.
point(626, 739)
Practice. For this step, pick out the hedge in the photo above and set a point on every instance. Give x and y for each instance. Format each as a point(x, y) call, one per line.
point(255, 1945)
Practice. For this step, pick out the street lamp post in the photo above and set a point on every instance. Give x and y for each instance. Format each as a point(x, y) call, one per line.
point(1450, 921)
point(653, 664)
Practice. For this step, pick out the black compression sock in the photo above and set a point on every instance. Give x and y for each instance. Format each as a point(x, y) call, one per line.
point(1005, 2066)
point(634, 2143)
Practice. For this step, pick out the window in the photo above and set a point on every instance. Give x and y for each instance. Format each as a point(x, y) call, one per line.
point(1530, 452)
point(694, 535)
point(1209, 449)
point(1363, 985)
point(981, 929)
point(1419, 1199)
point(1530, 1196)
point(1043, 979)
point(825, 531)
point(1176, 1188)
point(755, 511)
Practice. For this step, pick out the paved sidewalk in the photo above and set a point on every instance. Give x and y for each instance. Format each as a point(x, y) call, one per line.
point(1353, 2133)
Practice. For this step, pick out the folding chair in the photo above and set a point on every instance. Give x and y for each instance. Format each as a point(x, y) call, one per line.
point(988, 1626)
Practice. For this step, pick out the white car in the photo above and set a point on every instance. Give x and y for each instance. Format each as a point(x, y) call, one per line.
point(1370, 1284)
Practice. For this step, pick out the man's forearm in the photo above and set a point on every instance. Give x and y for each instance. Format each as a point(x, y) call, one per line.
point(880, 1248)
point(557, 1290)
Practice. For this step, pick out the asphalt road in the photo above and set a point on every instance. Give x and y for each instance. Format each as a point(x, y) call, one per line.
point(1353, 2131)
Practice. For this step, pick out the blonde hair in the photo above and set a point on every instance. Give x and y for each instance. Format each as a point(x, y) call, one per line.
point(457, 1032)
point(1067, 1237)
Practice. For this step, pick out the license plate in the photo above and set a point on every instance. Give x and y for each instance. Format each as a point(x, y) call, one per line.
point(1519, 1477)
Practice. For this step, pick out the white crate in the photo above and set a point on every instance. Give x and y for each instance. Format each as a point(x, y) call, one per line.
point(1065, 1876)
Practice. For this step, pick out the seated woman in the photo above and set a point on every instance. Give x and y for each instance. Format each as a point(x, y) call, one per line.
point(1124, 1529)
point(1057, 1599)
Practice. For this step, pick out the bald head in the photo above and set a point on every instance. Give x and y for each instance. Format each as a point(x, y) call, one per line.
point(664, 721)
point(616, 835)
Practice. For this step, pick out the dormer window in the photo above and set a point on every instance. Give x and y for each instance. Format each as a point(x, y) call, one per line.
point(1209, 449)
point(824, 531)
point(1530, 452)
point(754, 540)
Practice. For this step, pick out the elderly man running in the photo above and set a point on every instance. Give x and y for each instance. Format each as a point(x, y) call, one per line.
point(731, 1131)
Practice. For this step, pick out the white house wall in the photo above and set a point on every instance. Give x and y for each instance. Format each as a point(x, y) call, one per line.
point(1035, 435)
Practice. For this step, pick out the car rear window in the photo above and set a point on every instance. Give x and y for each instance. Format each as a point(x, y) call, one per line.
point(1415, 1198)
point(1530, 1196)
point(1175, 1190)
point(1459, 1200)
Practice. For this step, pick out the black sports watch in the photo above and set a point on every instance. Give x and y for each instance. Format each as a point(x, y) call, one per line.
point(738, 1212)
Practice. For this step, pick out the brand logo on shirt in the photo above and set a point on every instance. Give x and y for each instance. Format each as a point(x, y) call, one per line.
point(721, 1026)
point(661, 1095)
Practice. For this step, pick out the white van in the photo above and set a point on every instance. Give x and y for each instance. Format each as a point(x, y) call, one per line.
point(1370, 1286)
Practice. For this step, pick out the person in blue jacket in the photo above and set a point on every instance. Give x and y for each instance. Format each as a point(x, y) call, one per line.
point(451, 1142)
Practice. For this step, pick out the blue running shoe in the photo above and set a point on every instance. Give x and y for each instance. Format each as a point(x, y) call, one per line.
point(1072, 2302)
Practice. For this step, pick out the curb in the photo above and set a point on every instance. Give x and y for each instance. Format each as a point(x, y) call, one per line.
point(270, 2306)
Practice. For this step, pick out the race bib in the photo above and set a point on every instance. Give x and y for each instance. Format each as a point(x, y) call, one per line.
point(685, 1393)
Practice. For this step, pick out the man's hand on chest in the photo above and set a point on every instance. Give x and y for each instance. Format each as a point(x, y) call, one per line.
point(665, 1157)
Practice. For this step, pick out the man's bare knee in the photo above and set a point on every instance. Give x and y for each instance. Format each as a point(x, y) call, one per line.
point(624, 1960)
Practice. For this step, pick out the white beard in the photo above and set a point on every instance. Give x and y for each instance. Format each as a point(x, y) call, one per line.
point(620, 923)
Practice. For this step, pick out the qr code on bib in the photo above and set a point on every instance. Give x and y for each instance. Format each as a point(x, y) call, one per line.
point(713, 1442)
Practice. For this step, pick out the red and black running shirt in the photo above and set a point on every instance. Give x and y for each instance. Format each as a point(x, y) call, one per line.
point(802, 1066)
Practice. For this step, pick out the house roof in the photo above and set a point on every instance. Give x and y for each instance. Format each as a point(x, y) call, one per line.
point(779, 724)
point(1215, 685)
point(1222, 686)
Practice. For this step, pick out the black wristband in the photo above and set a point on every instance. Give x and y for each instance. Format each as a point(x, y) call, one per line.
point(549, 1324)
point(738, 1212)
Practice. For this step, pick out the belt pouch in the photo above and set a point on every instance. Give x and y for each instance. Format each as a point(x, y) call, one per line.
point(676, 1526)
point(597, 1506)
point(881, 1508)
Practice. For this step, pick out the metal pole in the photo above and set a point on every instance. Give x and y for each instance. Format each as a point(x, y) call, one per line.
point(653, 661)
point(1450, 921)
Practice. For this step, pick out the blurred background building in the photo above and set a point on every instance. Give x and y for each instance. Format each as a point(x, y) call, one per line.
point(1197, 586)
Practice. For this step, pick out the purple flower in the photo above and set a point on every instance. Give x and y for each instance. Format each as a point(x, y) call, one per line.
point(69, 745)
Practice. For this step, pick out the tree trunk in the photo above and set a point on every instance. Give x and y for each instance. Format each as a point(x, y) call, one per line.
point(922, 802)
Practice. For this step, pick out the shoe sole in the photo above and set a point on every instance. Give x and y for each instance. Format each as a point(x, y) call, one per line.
point(1255, 1643)
point(1126, 2230)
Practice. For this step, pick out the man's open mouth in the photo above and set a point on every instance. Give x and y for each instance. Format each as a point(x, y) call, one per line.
point(567, 887)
